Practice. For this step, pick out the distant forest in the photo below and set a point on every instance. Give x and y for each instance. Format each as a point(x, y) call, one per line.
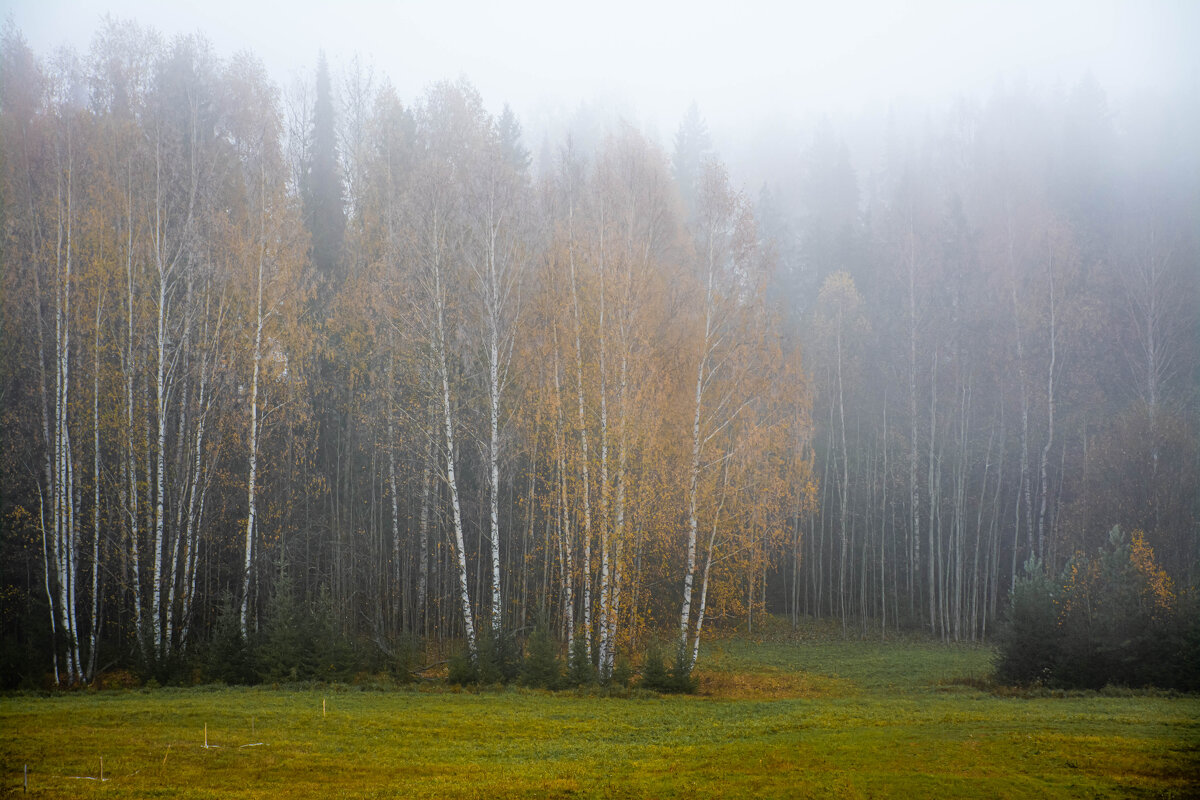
point(359, 355)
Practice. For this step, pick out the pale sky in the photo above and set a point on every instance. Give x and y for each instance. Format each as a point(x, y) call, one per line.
point(741, 61)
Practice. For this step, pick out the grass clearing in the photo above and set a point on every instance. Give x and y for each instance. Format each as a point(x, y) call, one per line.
point(816, 718)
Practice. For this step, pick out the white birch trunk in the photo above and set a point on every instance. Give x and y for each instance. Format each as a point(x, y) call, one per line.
point(1025, 488)
point(50, 568)
point(65, 539)
point(196, 507)
point(46, 571)
point(392, 484)
point(605, 539)
point(48, 441)
point(568, 549)
point(583, 444)
point(914, 490)
point(695, 648)
point(57, 486)
point(94, 621)
point(187, 478)
point(1045, 485)
point(72, 549)
point(934, 497)
point(252, 479)
point(129, 490)
point(161, 420)
point(494, 470)
point(159, 488)
point(845, 493)
point(708, 559)
point(199, 487)
point(451, 479)
point(619, 522)
point(567, 543)
point(689, 575)
point(423, 570)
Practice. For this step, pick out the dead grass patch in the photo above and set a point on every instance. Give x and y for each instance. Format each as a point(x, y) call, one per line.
point(769, 685)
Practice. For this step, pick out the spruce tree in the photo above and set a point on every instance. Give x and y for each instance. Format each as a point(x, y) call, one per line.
point(324, 210)
point(1029, 643)
point(286, 652)
point(692, 145)
point(580, 670)
point(228, 658)
point(654, 672)
point(508, 130)
point(541, 669)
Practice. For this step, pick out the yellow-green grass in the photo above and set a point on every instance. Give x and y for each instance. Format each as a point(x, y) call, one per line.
point(783, 719)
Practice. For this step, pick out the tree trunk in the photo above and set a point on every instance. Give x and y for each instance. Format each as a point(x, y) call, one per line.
point(1045, 482)
point(451, 479)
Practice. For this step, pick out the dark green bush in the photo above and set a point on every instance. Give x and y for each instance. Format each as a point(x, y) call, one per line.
point(622, 673)
point(334, 657)
point(402, 657)
point(170, 668)
point(654, 672)
point(463, 669)
point(20, 664)
point(580, 669)
point(1029, 638)
point(542, 668)
point(229, 658)
point(1112, 619)
point(681, 680)
point(657, 677)
point(286, 651)
point(498, 659)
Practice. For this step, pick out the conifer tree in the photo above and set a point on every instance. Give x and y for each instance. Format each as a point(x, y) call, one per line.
point(324, 210)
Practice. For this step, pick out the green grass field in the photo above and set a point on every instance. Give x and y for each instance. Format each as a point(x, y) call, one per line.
point(797, 718)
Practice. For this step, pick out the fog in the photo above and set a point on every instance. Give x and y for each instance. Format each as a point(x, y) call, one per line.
point(866, 312)
point(747, 65)
point(763, 74)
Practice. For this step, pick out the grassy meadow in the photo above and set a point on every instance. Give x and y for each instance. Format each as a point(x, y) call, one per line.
point(796, 717)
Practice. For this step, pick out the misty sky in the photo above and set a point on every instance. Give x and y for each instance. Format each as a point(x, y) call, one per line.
point(741, 61)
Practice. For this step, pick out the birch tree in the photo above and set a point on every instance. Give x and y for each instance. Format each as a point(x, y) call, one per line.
point(727, 275)
point(265, 250)
point(448, 123)
point(494, 251)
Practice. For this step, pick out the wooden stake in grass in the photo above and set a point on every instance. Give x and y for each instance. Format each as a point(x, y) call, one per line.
point(322, 708)
point(102, 769)
point(166, 754)
point(206, 736)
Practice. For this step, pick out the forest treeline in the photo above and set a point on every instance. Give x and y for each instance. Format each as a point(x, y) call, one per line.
point(338, 351)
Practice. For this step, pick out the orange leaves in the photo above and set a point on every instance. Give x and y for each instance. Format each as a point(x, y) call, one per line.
point(1158, 591)
point(1124, 579)
point(1079, 580)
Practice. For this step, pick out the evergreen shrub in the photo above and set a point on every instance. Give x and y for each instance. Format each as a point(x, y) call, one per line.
point(1113, 619)
point(542, 669)
point(580, 670)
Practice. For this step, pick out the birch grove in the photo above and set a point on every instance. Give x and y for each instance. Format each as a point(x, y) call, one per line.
point(366, 359)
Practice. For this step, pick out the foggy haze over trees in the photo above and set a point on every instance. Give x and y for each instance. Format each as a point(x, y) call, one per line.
point(395, 365)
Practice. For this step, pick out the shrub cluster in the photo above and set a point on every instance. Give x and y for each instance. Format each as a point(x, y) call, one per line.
point(657, 677)
point(498, 661)
point(299, 641)
point(1111, 619)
